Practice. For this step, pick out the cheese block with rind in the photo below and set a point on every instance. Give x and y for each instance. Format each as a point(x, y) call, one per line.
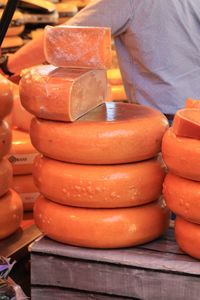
point(5, 176)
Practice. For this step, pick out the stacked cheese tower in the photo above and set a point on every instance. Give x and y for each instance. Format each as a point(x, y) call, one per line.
point(11, 209)
point(181, 153)
point(98, 176)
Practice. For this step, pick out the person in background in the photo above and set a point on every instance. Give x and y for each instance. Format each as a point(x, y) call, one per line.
point(157, 43)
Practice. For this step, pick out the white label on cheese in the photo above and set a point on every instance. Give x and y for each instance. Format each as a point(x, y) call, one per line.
point(22, 159)
point(29, 197)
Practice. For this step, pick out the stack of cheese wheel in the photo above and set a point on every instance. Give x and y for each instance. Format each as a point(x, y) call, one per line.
point(99, 178)
point(181, 153)
point(116, 85)
point(11, 209)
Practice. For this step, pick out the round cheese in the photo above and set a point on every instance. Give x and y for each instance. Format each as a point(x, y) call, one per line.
point(5, 176)
point(182, 155)
point(101, 228)
point(188, 237)
point(11, 213)
point(103, 186)
point(5, 138)
point(113, 133)
point(6, 98)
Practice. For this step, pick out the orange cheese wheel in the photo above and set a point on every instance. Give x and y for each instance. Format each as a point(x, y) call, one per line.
point(192, 103)
point(16, 25)
point(183, 197)
point(22, 153)
point(114, 76)
point(101, 228)
point(112, 133)
point(6, 97)
point(107, 186)
point(118, 92)
point(5, 138)
point(26, 188)
point(5, 176)
point(188, 237)
point(181, 155)
point(11, 213)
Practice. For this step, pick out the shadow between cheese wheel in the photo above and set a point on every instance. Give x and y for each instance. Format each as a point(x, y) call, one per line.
point(101, 228)
point(112, 133)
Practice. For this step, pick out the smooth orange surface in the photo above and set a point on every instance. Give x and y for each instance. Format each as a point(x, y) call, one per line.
point(183, 197)
point(188, 237)
point(22, 153)
point(6, 97)
point(181, 155)
point(5, 138)
point(78, 47)
point(118, 92)
point(101, 228)
point(186, 123)
point(62, 94)
point(112, 133)
point(192, 103)
point(107, 186)
point(114, 76)
point(5, 176)
point(11, 213)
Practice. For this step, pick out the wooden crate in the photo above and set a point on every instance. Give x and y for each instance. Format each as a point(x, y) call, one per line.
point(155, 271)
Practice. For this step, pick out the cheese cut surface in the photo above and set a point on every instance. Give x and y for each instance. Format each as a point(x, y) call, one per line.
point(187, 123)
point(78, 47)
point(112, 133)
point(22, 153)
point(183, 197)
point(5, 138)
point(5, 176)
point(62, 94)
point(26, 188)
point(188, 237)
point(107, 186)
point(11, 213)
point(114, 76)
point(192, 103)
point(6, 97)
point(118, 92)
point(101, 228)
point(181, 155)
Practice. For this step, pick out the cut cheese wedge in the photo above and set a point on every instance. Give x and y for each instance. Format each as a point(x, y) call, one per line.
point(187, 123)
point(5, 176)
point(6, 97)
point(108, 186)
point(181, 155)
point(101, 228)
point(114, 77)
point(112, 133)
point(118, 93)
point(78, 47)
point(26, 188)
point(192, 103)
point(5, 138)
point(11, 213)
point(22, 153)
point(183, 197)
point(62, 94)
point(188, 237)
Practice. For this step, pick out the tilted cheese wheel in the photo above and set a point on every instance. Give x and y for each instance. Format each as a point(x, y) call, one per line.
point(192, 103)
point(6, 97)
point(118, 92)
point(5, 138)
point(22, 153)
point(108, 186)
point(5, 176)
point(183, 197)
point(11, 213)
point(101, 228)
point(114, 76)
point(188, 237)
point(112, 133)
point(181, 155)
point(62, 94)
point(78, 47)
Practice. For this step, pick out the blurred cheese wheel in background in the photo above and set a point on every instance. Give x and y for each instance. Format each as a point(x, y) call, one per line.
point(114, 76)
point(118, 92)
point(11, 213)
point(107, 186)
point(66, 11)
point(101, 228)
point(192, 103)
point(25, 187)
point(183, 197)
point(6, 97)
point(113, 133)
point(188, 237)
point(5, 138)
point(181, 155)
point(5, 176)
point(16, 26)
point(22, 153)
point(11, 44)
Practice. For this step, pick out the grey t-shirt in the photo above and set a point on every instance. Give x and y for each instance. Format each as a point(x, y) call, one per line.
point(158, 47)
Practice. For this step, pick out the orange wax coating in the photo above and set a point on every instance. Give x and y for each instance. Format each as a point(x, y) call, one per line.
point(188, 237)
point(183, 197)
point(187, 123)
point(11, 213)
point(113, 133)
point(62, 94)
point(6, 97)
point(5, 138)
point(5, 176)
point(192, 103)
point(114, 76)
point(181, 155)
point(99, 186)
point(118, 92)
point(78, 47)
point(101, 228)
